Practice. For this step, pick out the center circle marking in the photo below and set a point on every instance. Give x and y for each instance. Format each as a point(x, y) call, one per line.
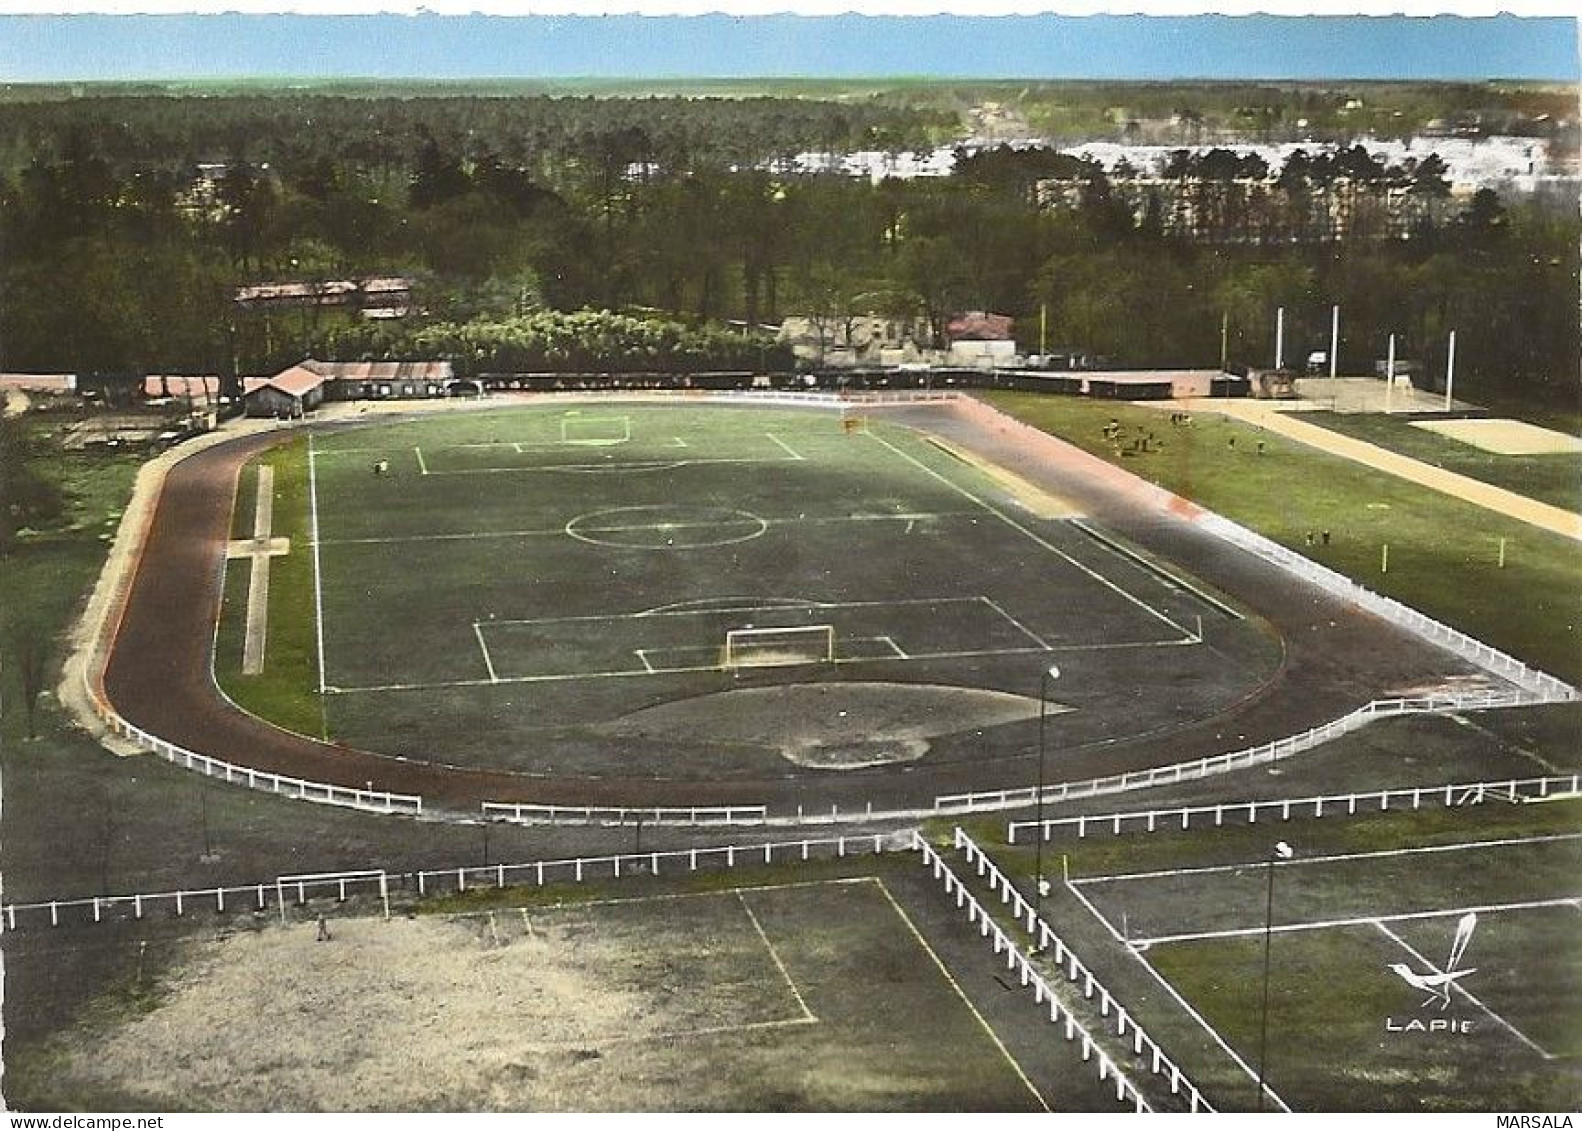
point(666, 527)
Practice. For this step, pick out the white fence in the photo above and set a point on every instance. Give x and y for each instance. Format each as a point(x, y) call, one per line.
point(614, 815)
point(957, 803)
point(440, 881)
point(1151, 820)
point(1048, 941)
point(242, 897)
point(375, 800)
point(1542, 687)
point(978, 916)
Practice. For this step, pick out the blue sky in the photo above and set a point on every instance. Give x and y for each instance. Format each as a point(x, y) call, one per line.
point(436, 46)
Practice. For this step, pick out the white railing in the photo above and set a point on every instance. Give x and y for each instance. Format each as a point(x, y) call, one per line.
point(1449, 796)
point(619, 815)
point(440, 881)
point(374, 800)
point(978, 916)
point(238, 897)
point(957, 803)
point(1546, 688)
point(1026, 914)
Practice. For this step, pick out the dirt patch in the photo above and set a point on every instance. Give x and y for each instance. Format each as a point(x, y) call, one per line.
point(753, 999)
point(1505, 437)
point(836, 726)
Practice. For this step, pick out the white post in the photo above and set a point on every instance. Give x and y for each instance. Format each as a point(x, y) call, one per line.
point(1279, 337)
point(1389, 375)
point(1334, 339)
point(1450, 370)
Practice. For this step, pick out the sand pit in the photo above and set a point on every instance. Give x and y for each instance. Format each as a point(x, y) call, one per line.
point(1505, 437)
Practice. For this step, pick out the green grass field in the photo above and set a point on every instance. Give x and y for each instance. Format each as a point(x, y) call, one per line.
point(1360, 894)
point(1554, 479)
point(1443, 554)
point(518, 578)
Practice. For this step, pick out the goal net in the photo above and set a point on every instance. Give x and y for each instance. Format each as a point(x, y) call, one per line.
point(594, 430)
point(776, 647)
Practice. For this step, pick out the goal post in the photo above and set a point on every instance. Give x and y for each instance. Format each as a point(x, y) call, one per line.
point(584, 428)
point(778, 647)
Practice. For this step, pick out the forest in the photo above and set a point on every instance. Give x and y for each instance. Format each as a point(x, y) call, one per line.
point(665, 231)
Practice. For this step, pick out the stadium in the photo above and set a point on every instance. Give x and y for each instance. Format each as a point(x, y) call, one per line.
point(902, 691)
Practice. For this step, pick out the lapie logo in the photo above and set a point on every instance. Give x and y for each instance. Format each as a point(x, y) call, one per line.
point(1437, 984)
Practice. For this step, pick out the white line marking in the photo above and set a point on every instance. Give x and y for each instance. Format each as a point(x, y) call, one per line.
point(1169, 579)
point(787, 448)
point(1468, 994)
point(1356, 921)
point(421, 465)
point(477, 630)
point(894, 646)
point(1014, 525)
point(318, 573)
point(615, 465)
point(940, 965)
point(642, 654)
point(545, 532)
point(1422, 850)
point(629, 673)
point(1179, 1000)
point(774, 955)
point(674, 1034)
point(1029, 633)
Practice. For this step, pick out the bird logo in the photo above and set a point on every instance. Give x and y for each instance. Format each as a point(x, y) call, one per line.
point(1437, 984)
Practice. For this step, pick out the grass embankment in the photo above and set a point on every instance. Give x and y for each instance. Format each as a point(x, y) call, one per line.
point(1555, 479)
point(1443, 554)
point(45, 579)
point(285, 692)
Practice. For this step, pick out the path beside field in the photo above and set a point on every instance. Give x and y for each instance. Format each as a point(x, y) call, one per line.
point(1557, 520)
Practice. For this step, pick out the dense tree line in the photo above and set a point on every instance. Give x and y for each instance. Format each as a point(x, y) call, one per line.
point(126, 232)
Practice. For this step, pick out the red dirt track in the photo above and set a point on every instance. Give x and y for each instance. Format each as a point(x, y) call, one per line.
point(158, 671)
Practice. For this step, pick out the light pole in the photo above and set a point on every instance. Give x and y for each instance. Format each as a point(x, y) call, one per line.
point(1048, 677)
point(1282, 851)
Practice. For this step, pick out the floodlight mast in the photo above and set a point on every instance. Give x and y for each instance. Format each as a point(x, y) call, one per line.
point(1049, 675)
point(1281, 851)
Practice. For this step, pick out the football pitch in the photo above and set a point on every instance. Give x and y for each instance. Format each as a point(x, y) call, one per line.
point(823, 995)
point(711, 592)
point(1428, 975)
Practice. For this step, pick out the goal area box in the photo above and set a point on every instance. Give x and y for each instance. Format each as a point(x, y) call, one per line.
point(778, 647)
point(595, 430)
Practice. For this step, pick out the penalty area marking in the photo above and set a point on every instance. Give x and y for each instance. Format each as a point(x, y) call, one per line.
point(477, 630)
point(1175, 994)
point(1421, 850)
point(604, 466)
point(960, 993)
point(774, 956)
point(1352, 921)
point(1466, 993)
